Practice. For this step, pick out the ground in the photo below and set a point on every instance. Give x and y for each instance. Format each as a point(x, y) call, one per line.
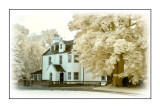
point(79, 92)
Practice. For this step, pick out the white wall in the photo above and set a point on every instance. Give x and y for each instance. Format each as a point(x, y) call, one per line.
point(72, 67)
point(44, 68)
point(68, 67)
point(88, 77)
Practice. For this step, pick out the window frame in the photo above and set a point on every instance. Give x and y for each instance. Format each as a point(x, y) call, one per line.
point(103, 76)
point(76, 77)
point(50, 76)
point(53, 48)
point(60, 59)
point(35, 77)
point(39, 77)
point(69, 75)
point(60, 46)
point(69, 58)
point(50, 60)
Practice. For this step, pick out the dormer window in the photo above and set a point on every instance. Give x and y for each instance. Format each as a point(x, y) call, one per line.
point(60, 46)
point(52, 48)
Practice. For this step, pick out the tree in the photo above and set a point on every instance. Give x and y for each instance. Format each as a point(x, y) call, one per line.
point(28, 50)
point(32, 55)
point(20, 33)
point(48, 36)
point(112, 45)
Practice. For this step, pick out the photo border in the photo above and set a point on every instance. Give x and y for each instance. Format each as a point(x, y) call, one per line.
point(91, 9)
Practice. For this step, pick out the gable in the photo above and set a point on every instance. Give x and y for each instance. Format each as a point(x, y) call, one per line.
point(50, 67)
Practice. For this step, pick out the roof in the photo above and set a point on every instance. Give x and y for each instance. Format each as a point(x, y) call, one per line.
point(56, 43)
point(46, 53)
point(68, 42)
point(69, 46)
point(38, 72)
point(59, 68)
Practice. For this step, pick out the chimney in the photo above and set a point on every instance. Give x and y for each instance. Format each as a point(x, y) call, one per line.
point(56, 39)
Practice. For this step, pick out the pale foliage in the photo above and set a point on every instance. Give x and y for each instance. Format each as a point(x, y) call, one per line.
point(20, 33)
point(32, 55)
point(48, 36)
point(100, 39)
point(28, 50)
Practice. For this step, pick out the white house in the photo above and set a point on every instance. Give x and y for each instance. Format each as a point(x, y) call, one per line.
point(59, 64)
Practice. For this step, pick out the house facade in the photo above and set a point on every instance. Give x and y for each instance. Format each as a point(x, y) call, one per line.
point(59, 64)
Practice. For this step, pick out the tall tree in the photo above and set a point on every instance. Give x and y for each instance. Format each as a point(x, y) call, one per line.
point(111, 45)
point(19, 35)
point(32, 55)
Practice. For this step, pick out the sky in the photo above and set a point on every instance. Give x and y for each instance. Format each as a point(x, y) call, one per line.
point(38, 20)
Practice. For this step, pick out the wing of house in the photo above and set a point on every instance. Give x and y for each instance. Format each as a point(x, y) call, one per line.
point(37, 76)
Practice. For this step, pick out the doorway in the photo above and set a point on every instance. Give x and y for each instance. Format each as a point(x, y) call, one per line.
point(61, 78)
point(125, 81)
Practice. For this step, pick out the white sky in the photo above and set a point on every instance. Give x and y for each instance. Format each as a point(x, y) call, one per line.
point(38, 20)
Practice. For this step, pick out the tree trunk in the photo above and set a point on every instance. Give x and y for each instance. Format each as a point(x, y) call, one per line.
point(118, 68)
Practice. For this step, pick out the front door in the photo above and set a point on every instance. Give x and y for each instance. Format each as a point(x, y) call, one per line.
point(61, 78)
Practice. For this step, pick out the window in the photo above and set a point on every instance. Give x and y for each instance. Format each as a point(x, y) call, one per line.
point(69, 75)
point(69, 58)
point(52, 48)
point(76, 75)
point(60, 46)
point(60, 59)
point(55, 47)
point(75, 57)
point(35, 77)
point(39, 77)
point(50, 61)
point(50, 77)
point(103, 78)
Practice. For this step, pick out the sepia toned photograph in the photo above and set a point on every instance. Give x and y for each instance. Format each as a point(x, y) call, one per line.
point(80, 54)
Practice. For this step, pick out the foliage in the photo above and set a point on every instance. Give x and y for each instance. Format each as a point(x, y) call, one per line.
point(20, 33)
point(48, 36)
point(28, 50)
point(102, 39)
